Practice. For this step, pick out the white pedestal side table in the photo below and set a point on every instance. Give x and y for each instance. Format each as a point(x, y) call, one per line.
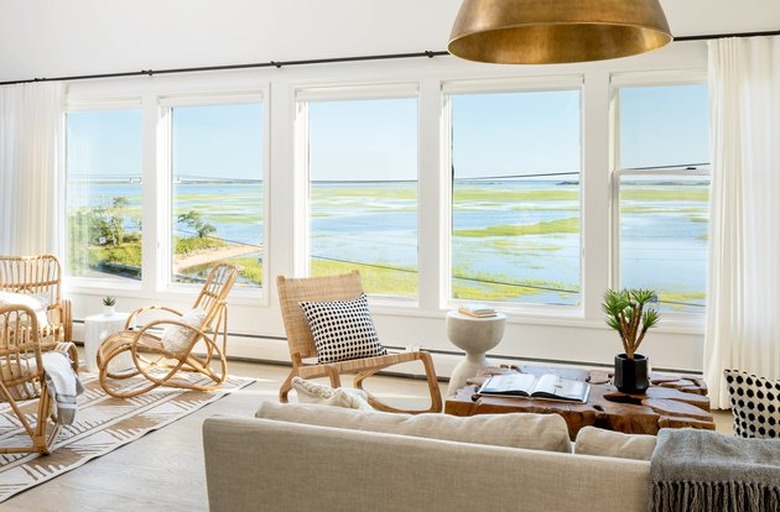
point(96, 329)
point(475, 336)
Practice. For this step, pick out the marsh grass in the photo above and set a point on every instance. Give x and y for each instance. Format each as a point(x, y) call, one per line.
point(402, 282)
point(551, 227)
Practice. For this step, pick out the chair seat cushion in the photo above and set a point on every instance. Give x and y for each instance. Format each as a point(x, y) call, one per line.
point(755, 404)
point(342, 329)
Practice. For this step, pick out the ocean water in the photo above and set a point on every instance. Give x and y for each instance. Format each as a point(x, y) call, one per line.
point(663, 240)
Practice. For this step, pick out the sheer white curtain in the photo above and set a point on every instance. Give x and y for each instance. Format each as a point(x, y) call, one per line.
point(743, 305)
point(31, 174)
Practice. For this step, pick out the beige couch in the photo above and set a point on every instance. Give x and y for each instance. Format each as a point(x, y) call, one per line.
point(297, 457)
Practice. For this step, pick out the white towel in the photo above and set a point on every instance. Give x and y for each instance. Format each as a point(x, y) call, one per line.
point(64, 385)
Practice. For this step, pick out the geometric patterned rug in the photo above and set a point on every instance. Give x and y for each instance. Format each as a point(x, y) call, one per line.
point(103, 423)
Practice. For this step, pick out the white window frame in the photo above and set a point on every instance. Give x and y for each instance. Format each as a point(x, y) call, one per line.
point(303, 97)
point(105, 284)
point(164, 178)
point(647, 79)
point(496, 86)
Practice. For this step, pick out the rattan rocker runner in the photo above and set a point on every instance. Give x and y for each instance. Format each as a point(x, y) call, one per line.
point(161, 366)
point(22, 377)
point(292, 291)
point(41, 277)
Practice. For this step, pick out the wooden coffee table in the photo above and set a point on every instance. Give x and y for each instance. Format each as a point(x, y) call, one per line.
point(669, 402)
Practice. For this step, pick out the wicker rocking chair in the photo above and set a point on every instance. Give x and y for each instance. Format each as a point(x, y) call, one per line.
point(41, 277)
point(301, 343)
point(22, 377)
point(159, 362)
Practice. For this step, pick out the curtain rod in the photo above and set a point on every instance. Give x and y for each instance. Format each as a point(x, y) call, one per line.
point(279, 64)
point(227, 67)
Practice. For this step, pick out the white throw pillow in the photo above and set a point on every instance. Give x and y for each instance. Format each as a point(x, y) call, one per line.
point(607, 443)
point(314, 393)
point(342, 329)
point(23, 299)
point(516, 430)
point(176, 338)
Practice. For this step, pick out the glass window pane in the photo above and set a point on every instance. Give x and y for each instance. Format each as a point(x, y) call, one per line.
point(104, 193)
point(663, 126)
point(363, 195)
point(664, 217)
point(516, 197)
point(663, 238)
point(217, 161)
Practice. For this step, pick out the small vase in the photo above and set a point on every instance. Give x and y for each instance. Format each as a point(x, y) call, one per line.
point(109, 310)
point(631, 374)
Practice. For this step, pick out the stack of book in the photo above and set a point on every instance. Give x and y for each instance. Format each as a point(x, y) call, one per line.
point(477, 310)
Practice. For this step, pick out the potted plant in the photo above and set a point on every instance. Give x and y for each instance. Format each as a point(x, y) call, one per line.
point(108, 305)
point(630, 313)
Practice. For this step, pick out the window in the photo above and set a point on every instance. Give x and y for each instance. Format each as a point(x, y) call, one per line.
point(217, 190)
point(362, 156)
point(104, 196)
point(516, 159)
point(664, 192)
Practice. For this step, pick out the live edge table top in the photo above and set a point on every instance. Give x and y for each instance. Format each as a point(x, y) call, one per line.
point(669, 402)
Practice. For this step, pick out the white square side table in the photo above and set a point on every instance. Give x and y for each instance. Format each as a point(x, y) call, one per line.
point(96, 329)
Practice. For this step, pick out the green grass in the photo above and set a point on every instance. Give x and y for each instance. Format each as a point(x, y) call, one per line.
point(567, 225)
point(679, 299)
point(192, 244)
point(700, 194)
point(251, 269)
point(462, 195)
point(375, 280)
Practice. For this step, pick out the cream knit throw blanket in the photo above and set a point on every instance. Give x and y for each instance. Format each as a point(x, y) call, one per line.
point(698, 470)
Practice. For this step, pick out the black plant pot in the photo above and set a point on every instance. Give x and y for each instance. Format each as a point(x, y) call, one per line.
point(631, 374)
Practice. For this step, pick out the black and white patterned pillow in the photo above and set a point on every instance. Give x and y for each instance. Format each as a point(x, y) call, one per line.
point(342, 329)
point(755, 404)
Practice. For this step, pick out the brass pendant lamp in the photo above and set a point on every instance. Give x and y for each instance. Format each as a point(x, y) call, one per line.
point(556, 31)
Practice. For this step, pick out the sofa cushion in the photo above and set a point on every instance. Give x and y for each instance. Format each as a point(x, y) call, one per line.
point(517, 430)
point(342, 329)
point(755, 404)
point(310, 392)
point(606, 443)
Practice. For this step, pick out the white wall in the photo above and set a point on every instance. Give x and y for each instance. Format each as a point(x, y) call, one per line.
point(45, 38)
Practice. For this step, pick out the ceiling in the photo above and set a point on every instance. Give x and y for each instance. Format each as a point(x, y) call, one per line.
point(46, 38)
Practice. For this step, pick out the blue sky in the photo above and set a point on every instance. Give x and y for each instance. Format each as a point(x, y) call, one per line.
point(494, 134)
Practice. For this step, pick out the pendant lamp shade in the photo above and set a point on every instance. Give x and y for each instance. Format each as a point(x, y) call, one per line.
point(556, 31)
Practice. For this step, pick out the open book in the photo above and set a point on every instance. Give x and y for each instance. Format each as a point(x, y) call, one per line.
point(546, 386)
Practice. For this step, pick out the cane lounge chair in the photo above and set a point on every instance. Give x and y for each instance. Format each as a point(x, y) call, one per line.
point(23, 378)
point(307, 363)
point(189, 345)
point(40, 278)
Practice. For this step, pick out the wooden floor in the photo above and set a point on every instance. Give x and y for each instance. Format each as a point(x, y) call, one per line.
point(164, 469)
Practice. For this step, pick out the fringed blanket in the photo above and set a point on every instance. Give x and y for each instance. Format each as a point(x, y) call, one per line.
point(698, 470)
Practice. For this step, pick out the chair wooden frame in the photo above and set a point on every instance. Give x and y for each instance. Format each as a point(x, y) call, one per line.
point(41, 276)
point(145, 346)
point(292, 291)
point(20, 348)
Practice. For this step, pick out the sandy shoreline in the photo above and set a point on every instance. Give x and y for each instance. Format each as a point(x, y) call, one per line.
point(211, 255)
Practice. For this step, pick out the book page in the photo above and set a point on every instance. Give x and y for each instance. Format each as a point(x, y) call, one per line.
point(552, 386)
point(509, 384)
